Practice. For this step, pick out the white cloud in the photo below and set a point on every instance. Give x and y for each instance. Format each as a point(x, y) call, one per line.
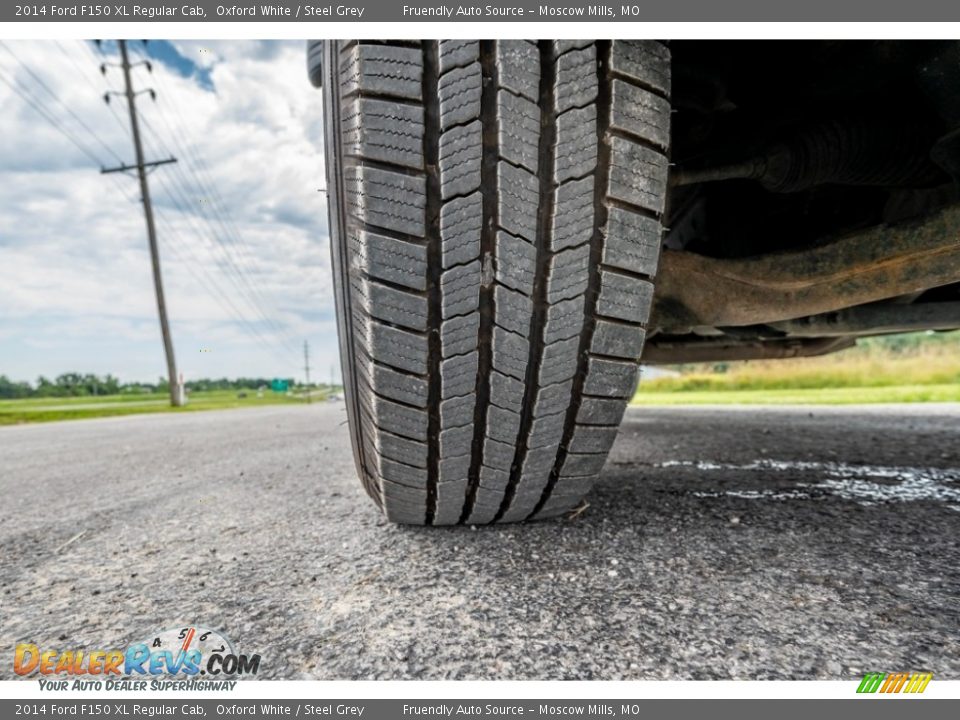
point(76, 290)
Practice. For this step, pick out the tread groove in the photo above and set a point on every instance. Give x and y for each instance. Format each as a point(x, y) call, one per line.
point(431, 153)
point(489, 191)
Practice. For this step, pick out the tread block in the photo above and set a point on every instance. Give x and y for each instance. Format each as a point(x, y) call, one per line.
point(450, 497)
point(575, 151)
point(645, 61)
point(457, 412)
point(404, 514)
point(383, 69)
point(458, 335)
point(579, 465)
point(632, 243)
point(513, 309)
point(539, 460)
point(616, 339)
point(624, 297)
point(486, 507)
point(568, 274)
point(401, 474)
point(592, 439)
point(498, 455)
point(399, 348)
point(573, 214)
point(399, 419)
point(392, 305)
point(546, 431)
point(553, 398)
point(454, 470)
point(518, 62)
point(510, 353)
point(459, 92)
point(460, 151)
point(516, 262)
point(385, 381)
point(387, 199)
point(576, 78)
point(518, 129)
point(409, 498)
point(505, 391)
point(494, 481)
point(460, 222)
point(640, 112)
point(397, 261)
point(638, 175)
point(456, 441)
point(382, 130)
point(460, 289)
point(409, 495)
point(458, 375)
point(519, 192)
point(519, 509)
point(573, 488)
point(600, 411)
point(562, 46)
point(559, 361)
point(503, 425)
point(457, 53)
point(608, 378)
point(564, 319)
point(401, 449)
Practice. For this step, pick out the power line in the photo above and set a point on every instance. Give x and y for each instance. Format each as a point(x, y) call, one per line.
point(44, 113)
point(209, 283)
point(196, 166)
point(98, 90)
point(230, 232)
point(252, 293)
point(176, 196)
point(52, 94)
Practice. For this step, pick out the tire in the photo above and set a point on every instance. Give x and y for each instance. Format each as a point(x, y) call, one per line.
point(495, 228)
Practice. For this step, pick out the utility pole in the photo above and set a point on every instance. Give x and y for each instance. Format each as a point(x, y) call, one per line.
point(177, 397)
point(306, 365)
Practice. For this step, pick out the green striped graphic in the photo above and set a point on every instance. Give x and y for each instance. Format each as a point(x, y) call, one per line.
point(871, 682)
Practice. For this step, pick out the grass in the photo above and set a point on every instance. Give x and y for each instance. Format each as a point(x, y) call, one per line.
point(812, 396)
point(13, 412)
point(909, 368)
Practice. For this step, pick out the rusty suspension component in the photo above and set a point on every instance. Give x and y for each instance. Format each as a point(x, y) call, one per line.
point(871, 265)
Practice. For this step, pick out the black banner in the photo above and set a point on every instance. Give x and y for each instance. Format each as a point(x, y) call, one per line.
point(393, 11)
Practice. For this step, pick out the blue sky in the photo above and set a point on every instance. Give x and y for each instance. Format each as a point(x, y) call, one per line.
point(242, 229)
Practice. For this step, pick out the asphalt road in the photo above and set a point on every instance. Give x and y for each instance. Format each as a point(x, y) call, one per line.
point(720, 543)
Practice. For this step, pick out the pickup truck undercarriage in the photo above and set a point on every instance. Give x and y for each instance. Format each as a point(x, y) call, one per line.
point(813, 198)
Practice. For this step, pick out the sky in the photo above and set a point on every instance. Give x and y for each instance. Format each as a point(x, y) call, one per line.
point(241, 220)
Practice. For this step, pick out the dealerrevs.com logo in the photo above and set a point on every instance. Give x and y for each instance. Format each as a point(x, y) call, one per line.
point(184, 658)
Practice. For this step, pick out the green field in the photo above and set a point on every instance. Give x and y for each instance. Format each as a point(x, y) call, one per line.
point(13, 412)
point(898, 369)
point(823, 396)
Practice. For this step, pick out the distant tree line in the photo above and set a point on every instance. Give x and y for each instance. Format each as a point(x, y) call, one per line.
point(87, 384)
